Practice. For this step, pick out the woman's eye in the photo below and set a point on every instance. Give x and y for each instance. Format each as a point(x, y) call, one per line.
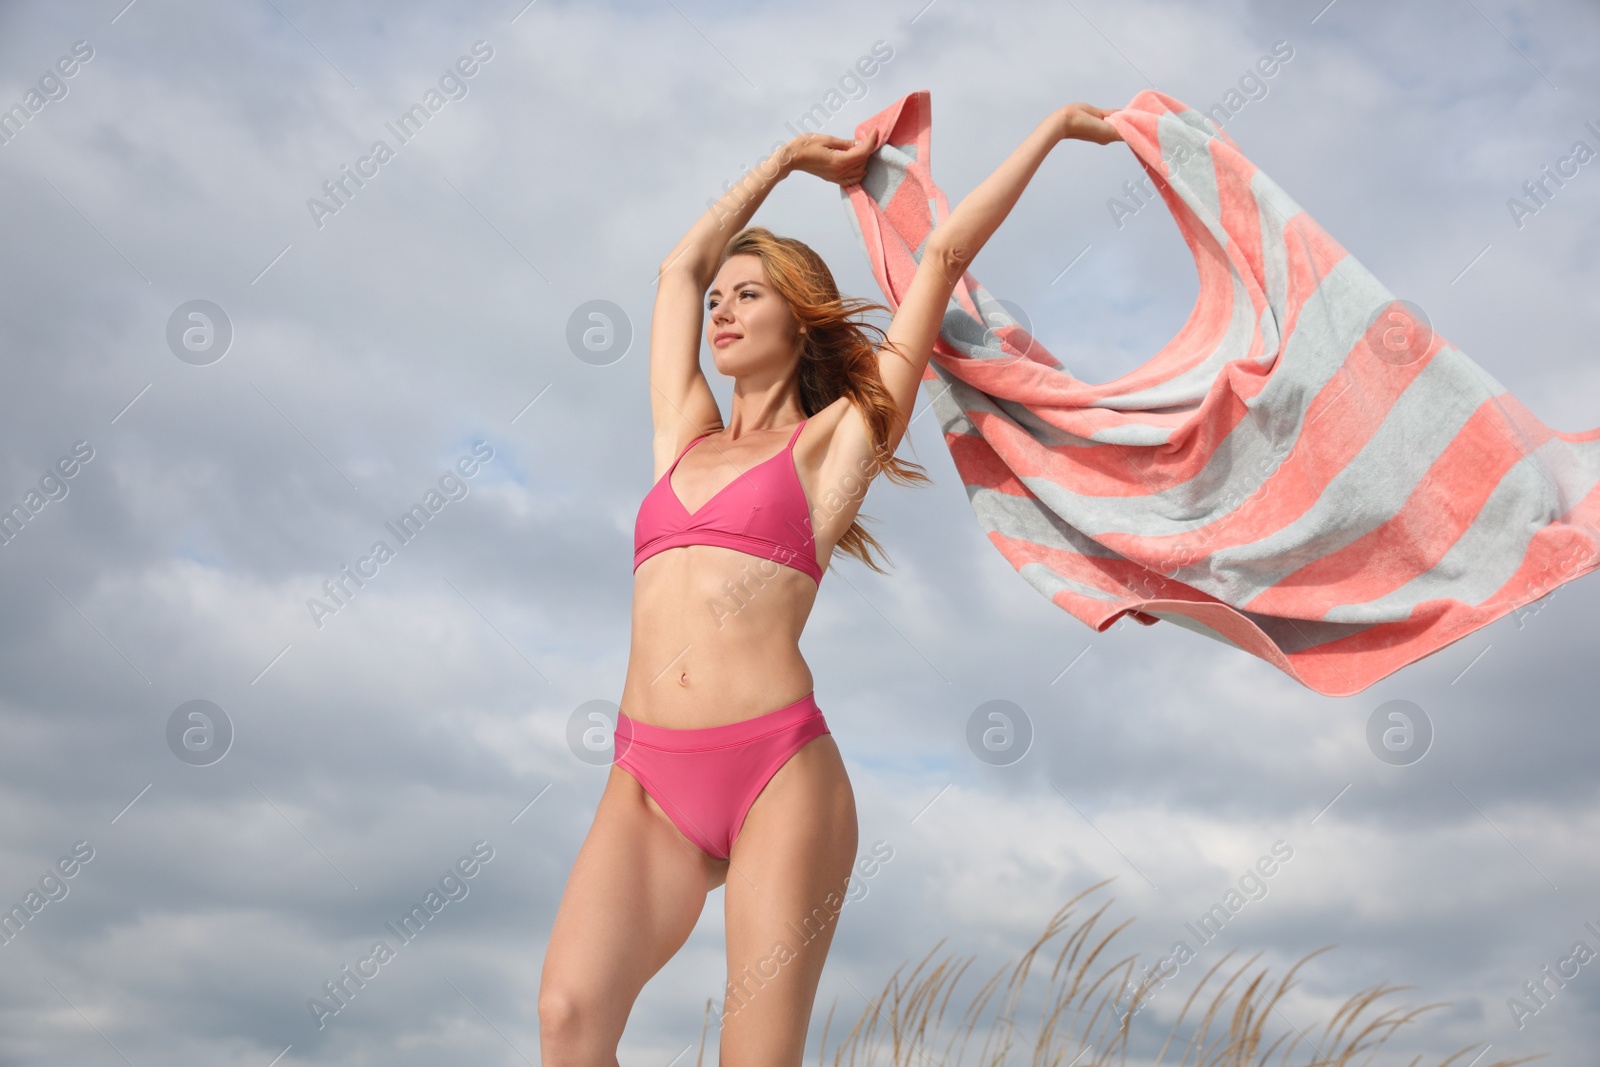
point(712, 303)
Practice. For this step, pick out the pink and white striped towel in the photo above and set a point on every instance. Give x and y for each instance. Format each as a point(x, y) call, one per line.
point(1303, 472)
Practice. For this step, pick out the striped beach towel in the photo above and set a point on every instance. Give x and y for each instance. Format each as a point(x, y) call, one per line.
point(1305, 471)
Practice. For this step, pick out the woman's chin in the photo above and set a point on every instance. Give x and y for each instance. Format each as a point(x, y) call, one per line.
point(732, 364)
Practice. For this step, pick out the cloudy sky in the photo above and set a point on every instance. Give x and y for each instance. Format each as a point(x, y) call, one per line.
point(350, 359)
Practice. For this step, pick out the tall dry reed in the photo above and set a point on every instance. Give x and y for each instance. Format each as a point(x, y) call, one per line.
point(1086, 1020)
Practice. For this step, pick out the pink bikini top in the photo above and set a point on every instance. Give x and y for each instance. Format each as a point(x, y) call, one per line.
point(762, 512)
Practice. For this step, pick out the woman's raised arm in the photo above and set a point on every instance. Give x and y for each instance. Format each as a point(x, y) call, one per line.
point(681, 403)
point(951, 246)
point(975, 219)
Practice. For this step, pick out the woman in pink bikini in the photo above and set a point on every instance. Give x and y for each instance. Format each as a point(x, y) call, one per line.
point(725, 772)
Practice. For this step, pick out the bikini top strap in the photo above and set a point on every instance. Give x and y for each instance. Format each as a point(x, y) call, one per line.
point(796, 435)
point(685, 451)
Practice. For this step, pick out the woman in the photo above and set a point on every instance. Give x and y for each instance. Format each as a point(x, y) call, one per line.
point(725, 772)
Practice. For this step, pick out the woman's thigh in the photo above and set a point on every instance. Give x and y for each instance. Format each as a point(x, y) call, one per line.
point(635, 892)
point(786, 883)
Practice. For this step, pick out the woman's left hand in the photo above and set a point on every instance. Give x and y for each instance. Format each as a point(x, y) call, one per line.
point(1087, 123)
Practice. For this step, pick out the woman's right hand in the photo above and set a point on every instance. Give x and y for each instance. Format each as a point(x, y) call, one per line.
point(833, 159)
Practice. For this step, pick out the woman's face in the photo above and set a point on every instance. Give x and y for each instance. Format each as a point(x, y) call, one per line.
point(748, 325)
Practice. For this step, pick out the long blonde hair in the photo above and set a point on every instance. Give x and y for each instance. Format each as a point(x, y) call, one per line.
point(838, 356)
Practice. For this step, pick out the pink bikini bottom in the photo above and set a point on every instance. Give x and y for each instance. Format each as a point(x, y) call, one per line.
point(706, 779)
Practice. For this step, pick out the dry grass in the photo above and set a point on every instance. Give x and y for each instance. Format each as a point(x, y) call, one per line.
point(1083, 1025)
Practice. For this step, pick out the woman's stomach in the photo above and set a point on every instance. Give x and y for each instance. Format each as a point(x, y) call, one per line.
point(715, 637)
